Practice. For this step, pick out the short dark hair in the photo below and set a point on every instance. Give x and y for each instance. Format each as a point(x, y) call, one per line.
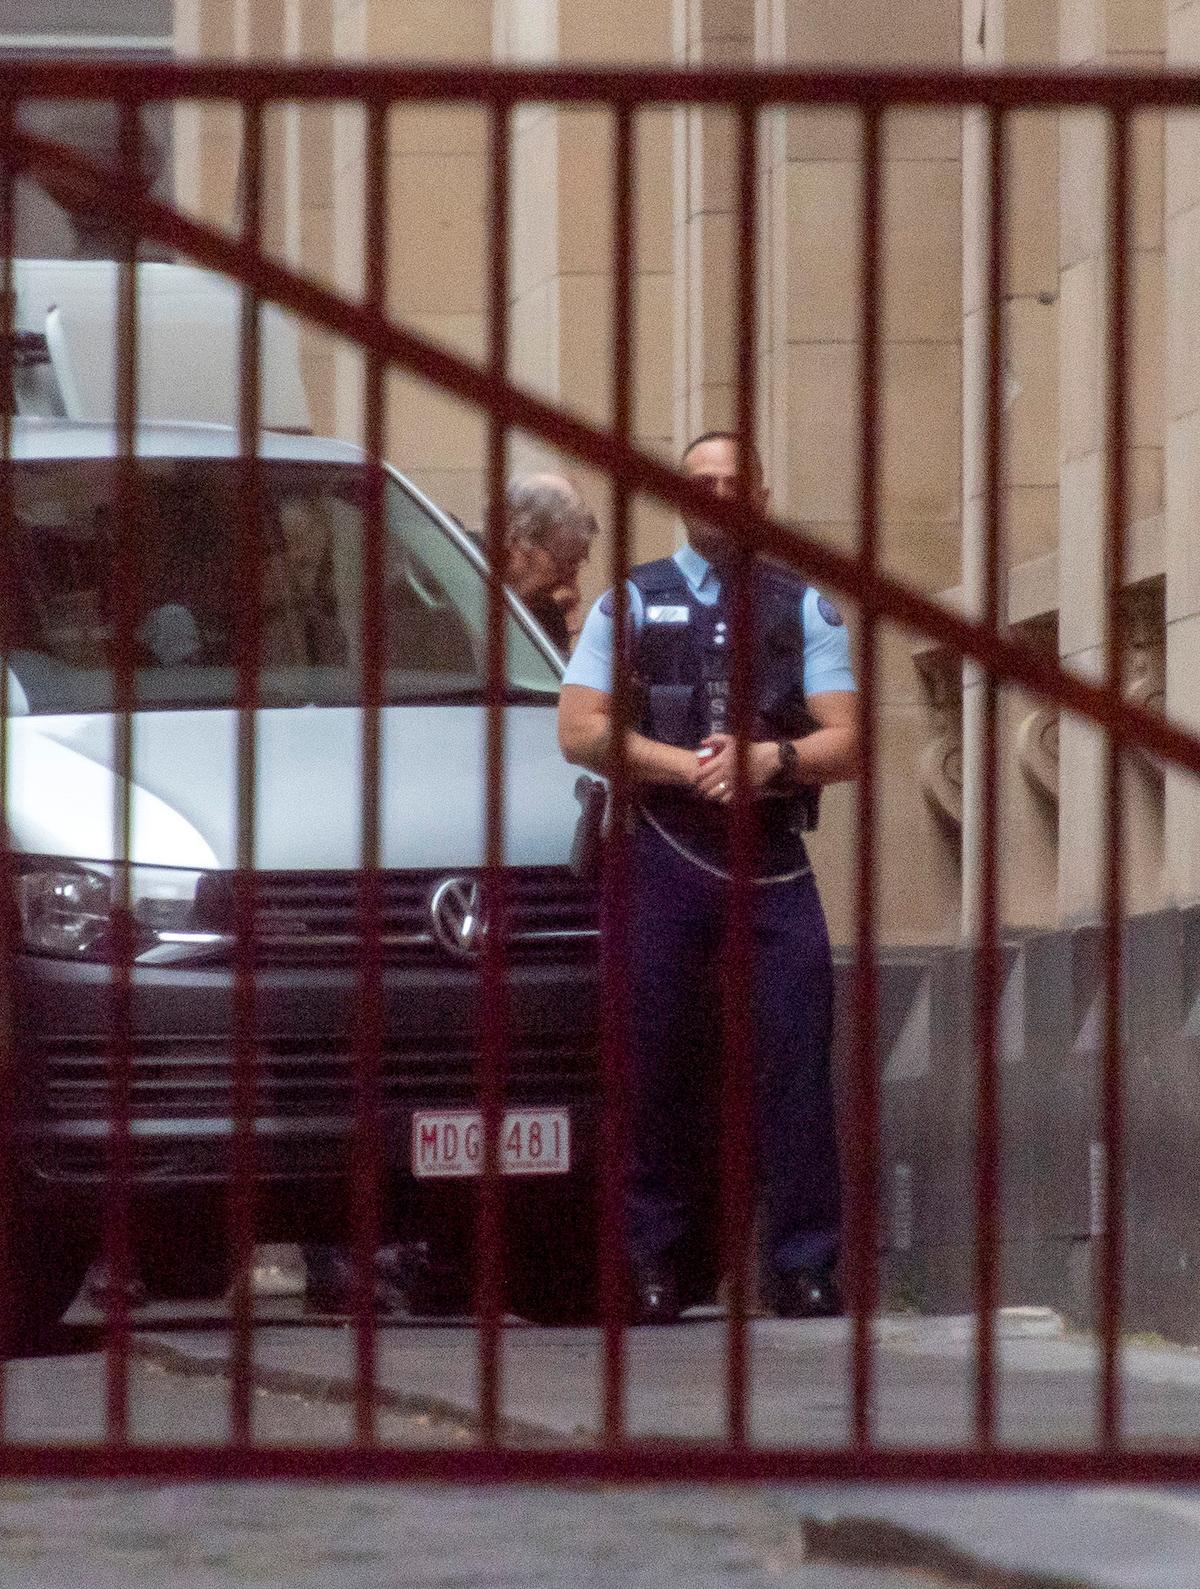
point(721, 435)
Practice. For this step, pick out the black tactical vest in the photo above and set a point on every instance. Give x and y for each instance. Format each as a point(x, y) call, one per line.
point(682, 665)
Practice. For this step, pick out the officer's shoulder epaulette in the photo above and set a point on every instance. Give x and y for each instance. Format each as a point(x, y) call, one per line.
point(783, 593)
point(785, 581)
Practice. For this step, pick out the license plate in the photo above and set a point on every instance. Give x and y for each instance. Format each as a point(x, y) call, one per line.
point(449, 1142)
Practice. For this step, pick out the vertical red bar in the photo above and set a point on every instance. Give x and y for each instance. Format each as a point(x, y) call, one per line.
point(8, 1071)
point(614, 1145)
point(122, 601)
point(493, 1049)
point(737, 1114)
point(987, 975)
point(248, 644)
point(1112, 1250)
point(366, 1158)
point(862, 1140)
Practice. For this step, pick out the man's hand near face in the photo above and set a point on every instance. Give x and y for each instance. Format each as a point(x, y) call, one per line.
point(570, 603)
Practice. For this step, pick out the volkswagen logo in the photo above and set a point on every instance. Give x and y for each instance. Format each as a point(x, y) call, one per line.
point(456, 907)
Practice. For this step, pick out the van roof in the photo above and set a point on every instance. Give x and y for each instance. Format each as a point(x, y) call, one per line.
point(187, 318)
point(34, 438)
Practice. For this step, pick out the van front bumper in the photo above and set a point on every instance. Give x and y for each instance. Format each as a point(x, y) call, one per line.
point(179, 1066)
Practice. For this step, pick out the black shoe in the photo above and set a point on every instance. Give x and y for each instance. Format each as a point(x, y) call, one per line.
point(403, 1266)
point(101, 1291)
point(653, 1296)
point(435, 1286)
point(322, 1301)
point(808, 1294)
point(332, 1285)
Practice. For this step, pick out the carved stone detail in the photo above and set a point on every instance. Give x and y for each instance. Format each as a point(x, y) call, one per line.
point(1037, 750)
point(1146, 668)
point(940, 764)
point(1037, 733)
point(942, 777)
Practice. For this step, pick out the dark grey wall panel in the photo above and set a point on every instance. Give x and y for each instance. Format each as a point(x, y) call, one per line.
point(1051, 1041)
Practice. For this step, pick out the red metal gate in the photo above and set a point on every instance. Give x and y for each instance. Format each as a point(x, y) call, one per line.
point(880, 597)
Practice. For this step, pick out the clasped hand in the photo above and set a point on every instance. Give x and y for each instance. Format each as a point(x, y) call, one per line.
point(716, 767)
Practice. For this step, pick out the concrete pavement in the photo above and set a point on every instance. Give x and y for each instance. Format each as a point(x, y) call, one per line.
point(812, 1537)
point(800, 1386)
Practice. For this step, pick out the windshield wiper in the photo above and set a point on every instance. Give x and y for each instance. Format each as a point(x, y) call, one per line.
point(276, 700)
point(474, 695)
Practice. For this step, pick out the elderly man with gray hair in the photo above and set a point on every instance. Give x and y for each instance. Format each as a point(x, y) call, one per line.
point(548, 535)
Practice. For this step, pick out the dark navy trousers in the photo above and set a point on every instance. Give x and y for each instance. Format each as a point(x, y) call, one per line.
point(677, 932)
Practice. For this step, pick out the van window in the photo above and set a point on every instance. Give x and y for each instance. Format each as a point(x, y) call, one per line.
point(192, 585)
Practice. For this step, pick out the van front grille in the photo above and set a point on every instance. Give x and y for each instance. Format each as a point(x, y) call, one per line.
point(309, 917)
point(194, 1081)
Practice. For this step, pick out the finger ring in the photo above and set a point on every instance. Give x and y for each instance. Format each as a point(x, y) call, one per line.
point(722, 786)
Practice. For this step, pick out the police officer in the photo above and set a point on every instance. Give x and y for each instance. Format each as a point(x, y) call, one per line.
point(681, 757)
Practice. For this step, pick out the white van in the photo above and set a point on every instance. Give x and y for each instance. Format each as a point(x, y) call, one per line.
point(63, 800)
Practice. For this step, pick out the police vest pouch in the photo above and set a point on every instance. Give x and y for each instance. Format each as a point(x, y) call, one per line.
point(673, 713)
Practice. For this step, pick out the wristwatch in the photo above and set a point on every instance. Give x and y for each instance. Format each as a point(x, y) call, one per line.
point(788, 762)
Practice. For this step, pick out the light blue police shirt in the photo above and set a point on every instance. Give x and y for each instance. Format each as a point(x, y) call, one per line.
point(826, 641)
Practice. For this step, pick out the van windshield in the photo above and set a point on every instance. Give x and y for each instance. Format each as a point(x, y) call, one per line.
point(63, 626)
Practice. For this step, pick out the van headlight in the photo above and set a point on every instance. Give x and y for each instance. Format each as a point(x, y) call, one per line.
point(67, 910)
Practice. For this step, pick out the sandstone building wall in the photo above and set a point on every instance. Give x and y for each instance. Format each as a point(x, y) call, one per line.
point(932, 355)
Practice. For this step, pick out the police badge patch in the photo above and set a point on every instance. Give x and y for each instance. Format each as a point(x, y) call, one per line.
point(829, 612)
